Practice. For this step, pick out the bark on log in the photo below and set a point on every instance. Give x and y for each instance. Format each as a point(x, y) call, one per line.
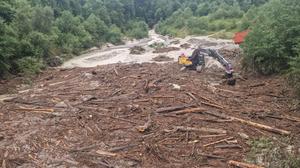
point(203, 129)
point(190, 110)
point(242, 165)
point(264, 127)
point(173, 108)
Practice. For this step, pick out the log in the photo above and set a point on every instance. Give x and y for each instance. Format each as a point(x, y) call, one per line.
point(105, 153)
point(211, 156)
point(261, 126)
point(116, 72)
point(212, 136)
point(217, 142)
point(189, 110)
point(291, 118)
point(250, 123)
point(33, 109)
point(202, 129)
point(205, 103)
point(257, 85)
point(173, 108)
point(212, 105)
point(242, 165)
point(228, 146)
point(192, 96)
point(163, 97)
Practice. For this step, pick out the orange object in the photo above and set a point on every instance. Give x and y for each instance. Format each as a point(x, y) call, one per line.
point(239, 37)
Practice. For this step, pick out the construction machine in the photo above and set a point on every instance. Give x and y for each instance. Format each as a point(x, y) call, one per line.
point(197, 62)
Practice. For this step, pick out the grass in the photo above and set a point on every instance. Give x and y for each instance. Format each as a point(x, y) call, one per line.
point(270, 154)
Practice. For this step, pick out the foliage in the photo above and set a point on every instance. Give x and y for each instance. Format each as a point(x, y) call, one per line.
point(205, 18)
point(137, 29)
point(114, 35)
point(271, 44)
point(29, 66)
point(41, 29)
point(264, 151)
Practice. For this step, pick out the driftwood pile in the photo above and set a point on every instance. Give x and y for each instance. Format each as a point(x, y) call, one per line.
point(134, 116)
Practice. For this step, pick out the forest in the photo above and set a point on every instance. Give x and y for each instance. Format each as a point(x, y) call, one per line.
point(34, 31)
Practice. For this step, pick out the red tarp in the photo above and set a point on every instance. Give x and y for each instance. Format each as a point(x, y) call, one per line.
point(239, 37)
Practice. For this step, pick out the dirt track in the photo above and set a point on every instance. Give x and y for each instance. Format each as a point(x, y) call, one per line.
point(92, 117)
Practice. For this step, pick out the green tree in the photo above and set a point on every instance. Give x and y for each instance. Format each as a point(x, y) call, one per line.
point(114, 35)
point(96, 27)
point(271, 44)
point(42, 19)
point(137, 29)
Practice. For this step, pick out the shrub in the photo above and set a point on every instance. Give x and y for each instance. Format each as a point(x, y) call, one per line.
point(29, 66)
point(271, 44)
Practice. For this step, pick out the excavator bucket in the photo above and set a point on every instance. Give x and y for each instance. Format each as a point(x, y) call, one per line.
point(183, 60)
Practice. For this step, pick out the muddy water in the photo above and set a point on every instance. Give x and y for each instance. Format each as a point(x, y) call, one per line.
point(121, 54)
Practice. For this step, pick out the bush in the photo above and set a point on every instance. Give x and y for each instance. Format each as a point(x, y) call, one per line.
point(294, 73)
point(271, 44)
point(114, 35)
point(137, 29)
point(29, 66)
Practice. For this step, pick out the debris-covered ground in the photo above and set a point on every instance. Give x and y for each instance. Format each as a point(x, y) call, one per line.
point(143, 115)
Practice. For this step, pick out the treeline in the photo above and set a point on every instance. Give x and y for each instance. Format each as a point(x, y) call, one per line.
point(203, 17)
point(34, 31)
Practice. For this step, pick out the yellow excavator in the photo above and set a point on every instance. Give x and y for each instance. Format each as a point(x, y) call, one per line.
point(197, 62)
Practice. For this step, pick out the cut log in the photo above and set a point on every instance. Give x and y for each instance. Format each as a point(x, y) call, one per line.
point(105, 153)
point(190, 110)
point(203, 129)
point(217, 142)
point(33, 109)
point(228, 146)
point(163, 97)
point(257, 85)
point(242, 165)
point(257, 125)
point(205, 103)
point(212, 105)
point(173, 108)
point(261, 126)
point(291, 118)
point(212, 136)
point(211, 156)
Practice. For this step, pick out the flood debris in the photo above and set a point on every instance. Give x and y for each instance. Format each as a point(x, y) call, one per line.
point(166, 49)
point(137, 50)
point(162, 58)
point(141, 115)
